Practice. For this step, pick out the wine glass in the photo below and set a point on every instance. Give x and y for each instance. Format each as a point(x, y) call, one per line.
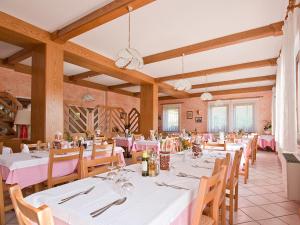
point(127, 189)
point(112, 174)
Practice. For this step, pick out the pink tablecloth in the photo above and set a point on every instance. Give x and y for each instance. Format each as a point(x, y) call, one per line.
point(32, 175)
point(124, 142)
point(145, 145)
point(208, 137)
point(267, 141)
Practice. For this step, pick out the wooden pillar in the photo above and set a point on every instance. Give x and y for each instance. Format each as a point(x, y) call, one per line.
point(47, 92)
point(149, 108)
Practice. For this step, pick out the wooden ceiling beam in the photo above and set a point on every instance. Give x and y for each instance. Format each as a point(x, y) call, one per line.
point(227, 92)
point(169, 89)
point(84, 75)
point(118, 86)
point(73, 53)
point(19, 56)
point(273, 29)
point(96, 18)
point(236, 81)
point(223, 69)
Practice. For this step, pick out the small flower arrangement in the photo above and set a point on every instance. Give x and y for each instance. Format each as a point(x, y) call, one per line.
point(268, 125)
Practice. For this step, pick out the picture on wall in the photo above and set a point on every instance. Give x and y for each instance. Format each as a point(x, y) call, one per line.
point(198, 119)
point(189, 114)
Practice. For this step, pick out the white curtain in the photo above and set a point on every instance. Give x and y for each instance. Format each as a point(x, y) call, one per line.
point(286, 120)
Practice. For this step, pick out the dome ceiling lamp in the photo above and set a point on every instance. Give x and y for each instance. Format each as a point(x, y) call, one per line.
point(183, 84)
point(206, 96)
point(129, 58)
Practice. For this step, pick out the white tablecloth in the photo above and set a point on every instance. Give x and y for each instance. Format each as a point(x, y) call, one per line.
point(148, 204)
point(22, 160)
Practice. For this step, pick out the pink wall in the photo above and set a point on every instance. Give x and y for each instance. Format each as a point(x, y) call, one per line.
point(19, 84)
point(263, 109)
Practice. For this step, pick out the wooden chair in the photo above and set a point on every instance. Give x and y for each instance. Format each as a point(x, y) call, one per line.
point(96, 153)
point(136, 157)
point(217, 167)
point(245, 169)
point(93, 167)
point(27, 214)
point(1, 147)
point(137, 136)
point(5, 204)
point(233, 185)
point(254, 149)
point(218, 145)
point(209, 193)
point(99, 140)
point(57, 156)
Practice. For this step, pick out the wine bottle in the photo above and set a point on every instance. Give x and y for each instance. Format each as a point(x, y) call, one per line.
point(145, 169)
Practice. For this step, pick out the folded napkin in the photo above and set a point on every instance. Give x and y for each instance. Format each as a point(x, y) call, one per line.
point(25, 149)
point(6, 151)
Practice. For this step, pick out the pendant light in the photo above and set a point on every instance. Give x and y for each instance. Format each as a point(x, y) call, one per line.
point(183, 84)
point(129, 58)
point(206, 96)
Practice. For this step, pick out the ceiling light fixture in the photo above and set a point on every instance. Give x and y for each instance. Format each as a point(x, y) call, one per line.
point(129, 58)
point(206, 96)
point(183, 84)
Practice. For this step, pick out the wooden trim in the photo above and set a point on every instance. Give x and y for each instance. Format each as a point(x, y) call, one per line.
point(84, 75)
point(237, 81)
point(227, 92)
point(223, 69)
point(237, 98)
point(273, 29)
point(96, 18)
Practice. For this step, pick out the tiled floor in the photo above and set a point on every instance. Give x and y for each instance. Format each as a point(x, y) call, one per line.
point(262, 200)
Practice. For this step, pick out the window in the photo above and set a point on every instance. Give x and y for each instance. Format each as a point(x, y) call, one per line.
point(243, 117)
point(218, 118)
point(171, 115)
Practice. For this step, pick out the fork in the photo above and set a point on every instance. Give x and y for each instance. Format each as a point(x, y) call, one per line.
point(196, 166)
point(171, 186)
point(75, 195)
point(187, 175)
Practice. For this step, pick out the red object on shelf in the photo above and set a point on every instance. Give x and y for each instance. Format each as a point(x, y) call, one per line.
point(23, 131)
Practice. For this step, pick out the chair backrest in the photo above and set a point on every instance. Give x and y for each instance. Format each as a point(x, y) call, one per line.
point(136, 156)
point(219, 162)
point(209, 192)
point(254, 144)
point(57, 156)
point(91, 167)
point(1, 147)
point(35, 146)
point(27, 214)
point(214, 144)
point(99, 140)
point(235, 167)
point(107, 149)
point(137, 136)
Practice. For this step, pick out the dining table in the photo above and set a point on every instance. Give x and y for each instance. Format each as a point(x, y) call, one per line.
point(141, 145)
point(267, 141)
point(30, 168)
point(166, 199)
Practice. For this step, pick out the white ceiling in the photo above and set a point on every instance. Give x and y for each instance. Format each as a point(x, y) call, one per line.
point(160, 26)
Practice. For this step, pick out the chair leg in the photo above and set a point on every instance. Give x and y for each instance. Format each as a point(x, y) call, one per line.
point(231, 206)
point(2, 209)
point(223, 212)
point(246, 171)
point(236, 197)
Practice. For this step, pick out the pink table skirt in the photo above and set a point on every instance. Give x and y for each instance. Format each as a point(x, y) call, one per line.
point(263, 143)
point(127, 143)
point(208, 136)
point(29, 176)
point(140, 147)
